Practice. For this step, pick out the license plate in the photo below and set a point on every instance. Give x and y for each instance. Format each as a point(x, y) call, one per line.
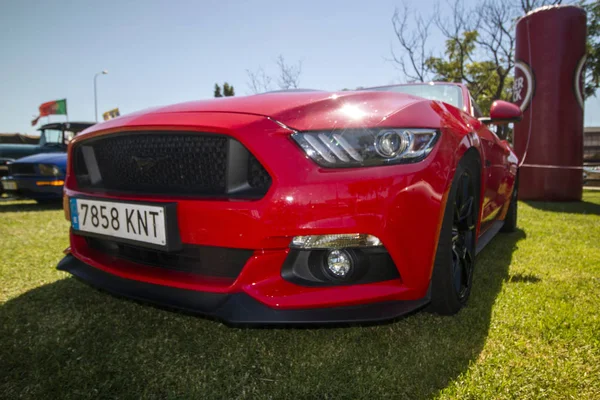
point(9, 185)
point(142, 224)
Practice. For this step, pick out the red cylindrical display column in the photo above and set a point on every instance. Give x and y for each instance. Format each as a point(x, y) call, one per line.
point(550, 54)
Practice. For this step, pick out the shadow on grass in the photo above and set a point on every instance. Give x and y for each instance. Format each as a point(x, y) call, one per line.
point(68, 340)
point(19, 206)
point(576, 207)
point(525, 278)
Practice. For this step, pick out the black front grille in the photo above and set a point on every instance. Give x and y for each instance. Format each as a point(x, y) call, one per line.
point(205, 261)
point(258, 177)
point(21, 169)
point(173, 163)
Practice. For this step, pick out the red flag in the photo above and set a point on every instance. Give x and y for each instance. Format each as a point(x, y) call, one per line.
point(51, 107)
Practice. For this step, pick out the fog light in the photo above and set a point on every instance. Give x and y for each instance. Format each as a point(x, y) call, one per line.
point(339, 263)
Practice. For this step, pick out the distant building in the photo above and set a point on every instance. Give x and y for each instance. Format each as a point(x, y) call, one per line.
point(591, 156)
point(591, 144)
point(18, 138)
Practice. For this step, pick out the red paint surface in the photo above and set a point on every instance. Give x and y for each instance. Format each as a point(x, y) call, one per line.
point(554, 116)
point(402, 204)
point(503, 111)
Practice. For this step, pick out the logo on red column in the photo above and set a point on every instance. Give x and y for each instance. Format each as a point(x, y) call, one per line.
point(579, 80)
point(523, 85)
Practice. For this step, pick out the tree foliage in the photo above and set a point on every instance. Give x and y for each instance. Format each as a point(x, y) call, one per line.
point(217, 92)
point(228, 90)
point(487, 81)
point(592, 74)
point(478, 52)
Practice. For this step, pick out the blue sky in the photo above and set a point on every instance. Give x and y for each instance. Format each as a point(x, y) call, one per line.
point(163, 52)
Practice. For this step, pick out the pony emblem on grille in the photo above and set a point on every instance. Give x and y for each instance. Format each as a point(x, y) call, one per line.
point(145, 163)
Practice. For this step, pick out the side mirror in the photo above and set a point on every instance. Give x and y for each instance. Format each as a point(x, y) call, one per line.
point(503, 112)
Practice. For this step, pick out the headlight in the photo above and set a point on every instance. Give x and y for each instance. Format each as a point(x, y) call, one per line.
point(49, 170)
point(366, 147)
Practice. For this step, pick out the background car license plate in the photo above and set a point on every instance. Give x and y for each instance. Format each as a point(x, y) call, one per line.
point(129, 221)
point(9, 185)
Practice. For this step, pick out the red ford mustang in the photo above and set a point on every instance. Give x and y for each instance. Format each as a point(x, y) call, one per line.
point(301, 207)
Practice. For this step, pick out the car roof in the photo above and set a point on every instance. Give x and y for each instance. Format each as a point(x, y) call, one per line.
point(67, 126)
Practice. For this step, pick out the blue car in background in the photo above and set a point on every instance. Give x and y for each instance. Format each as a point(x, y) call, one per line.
point(41, 176)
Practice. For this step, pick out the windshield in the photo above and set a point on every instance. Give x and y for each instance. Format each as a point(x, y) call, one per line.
point(51, 137)
point(450, 94)
point(55, 137)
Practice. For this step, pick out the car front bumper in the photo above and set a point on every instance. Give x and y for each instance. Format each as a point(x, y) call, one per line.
point(402, 205)
point(234, 308)
point(30, 187)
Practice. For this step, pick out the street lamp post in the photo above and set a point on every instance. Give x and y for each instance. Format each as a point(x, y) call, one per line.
point(104, 72)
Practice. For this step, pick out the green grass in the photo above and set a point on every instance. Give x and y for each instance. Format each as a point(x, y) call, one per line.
point(531, 329)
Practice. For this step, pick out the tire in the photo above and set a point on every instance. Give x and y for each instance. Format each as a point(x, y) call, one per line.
point(455, 255)
point(510, 221)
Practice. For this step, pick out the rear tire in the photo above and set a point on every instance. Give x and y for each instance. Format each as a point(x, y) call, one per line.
point(510, 221)
point(455, 256)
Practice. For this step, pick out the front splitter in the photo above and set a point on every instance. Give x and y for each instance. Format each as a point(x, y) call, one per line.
point(234, 308)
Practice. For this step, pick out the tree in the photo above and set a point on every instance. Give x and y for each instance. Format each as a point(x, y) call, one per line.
point(497, 33)
point(227, 90)
point(413, 62)
point(481, 77)
point(288, 77)
point(259, 81)
point(592, 74)
point(217, 91)
point(478, 51)
point(529, 5)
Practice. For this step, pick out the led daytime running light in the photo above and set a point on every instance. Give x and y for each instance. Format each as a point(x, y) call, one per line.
point(335, 241)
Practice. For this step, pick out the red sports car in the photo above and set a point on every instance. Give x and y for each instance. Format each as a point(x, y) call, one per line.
point(293, 207)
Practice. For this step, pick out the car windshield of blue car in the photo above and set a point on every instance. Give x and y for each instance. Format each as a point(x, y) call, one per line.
point(52, 137)
point(450, 94)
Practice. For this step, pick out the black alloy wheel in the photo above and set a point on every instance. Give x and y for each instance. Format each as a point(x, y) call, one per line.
point(463, 235)
point(454, 263)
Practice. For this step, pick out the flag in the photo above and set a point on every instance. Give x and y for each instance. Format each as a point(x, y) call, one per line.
point(110, 114)
point(56, 107)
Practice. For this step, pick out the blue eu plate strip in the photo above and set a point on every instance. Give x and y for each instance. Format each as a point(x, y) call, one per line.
point(74, 215)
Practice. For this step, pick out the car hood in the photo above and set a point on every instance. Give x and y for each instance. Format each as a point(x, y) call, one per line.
point(59, 159)
point(300, 110)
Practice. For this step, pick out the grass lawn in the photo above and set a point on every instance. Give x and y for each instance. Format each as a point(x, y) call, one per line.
point(531, 329)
